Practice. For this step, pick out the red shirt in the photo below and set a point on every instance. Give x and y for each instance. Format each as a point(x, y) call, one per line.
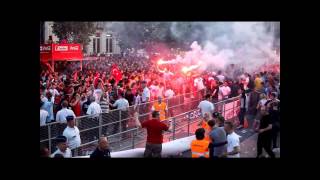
point(154, 131)
point(77, 109)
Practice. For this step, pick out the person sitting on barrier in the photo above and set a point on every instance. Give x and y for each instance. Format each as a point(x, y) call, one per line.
point(72, 133)
point(218, 138)
point(102, 150)
point(62, 147)
point(154, 134)
point(161, 107)
point(200, 147)
point(206, 106)
point(64, 112)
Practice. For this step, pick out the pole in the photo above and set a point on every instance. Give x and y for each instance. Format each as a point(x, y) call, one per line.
point(100, 124)
point(174, 128)
point(49, 137)
point(189, 120)
point(52, 64)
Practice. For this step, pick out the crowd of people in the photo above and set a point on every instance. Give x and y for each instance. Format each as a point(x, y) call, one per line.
point(260, 98)
point(70, 92)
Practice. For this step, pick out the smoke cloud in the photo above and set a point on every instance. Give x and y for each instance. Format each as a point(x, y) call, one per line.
point(248, 45)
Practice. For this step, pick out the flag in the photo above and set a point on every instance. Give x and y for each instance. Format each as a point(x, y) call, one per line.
point(116, 73)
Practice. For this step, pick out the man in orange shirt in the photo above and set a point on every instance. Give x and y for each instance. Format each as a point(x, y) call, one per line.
point(161, 107)
point(199, 147)
point(204, 124)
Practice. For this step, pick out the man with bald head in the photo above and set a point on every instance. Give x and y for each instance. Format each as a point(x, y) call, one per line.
point(102, 151)
point(161, 107)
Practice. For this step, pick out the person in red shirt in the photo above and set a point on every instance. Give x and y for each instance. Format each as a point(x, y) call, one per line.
point(154, 134)
point(75, 104)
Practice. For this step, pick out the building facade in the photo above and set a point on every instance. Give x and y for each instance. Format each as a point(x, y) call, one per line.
point(46, 32)
point(103, 43)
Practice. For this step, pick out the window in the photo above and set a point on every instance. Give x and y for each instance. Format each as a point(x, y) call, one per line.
point(98, 45)
point(94, 45)
point(107, 45)
point(110, 45)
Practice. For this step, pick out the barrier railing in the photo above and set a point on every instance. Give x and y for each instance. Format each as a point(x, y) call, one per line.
point(119, 126)
point(114, 122)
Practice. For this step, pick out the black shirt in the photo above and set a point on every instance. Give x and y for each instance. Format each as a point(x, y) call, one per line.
point(85, 106)
point(130, 98)
point(100, 154)
point(264, 123)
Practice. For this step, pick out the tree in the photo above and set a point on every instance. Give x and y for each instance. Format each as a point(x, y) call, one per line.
point(76, 32)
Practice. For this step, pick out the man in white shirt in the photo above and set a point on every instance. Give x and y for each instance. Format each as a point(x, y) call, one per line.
point(145, 93)
point(170, 101)
point(206, 106)
point(62, 147)
point(94, 107)
point(145, 97)
point(154, 88)
point(72, 133)
point(220, 76)
point(224, 91)
point(122, 105)
point(43, 115)
point(169, 93)
point(198, 83)
point(54, 92)
point(233, 148)
point(97, 93)
point(64, 112)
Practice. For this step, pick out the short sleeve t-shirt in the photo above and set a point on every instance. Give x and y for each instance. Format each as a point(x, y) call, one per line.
point(233, 141)
point(154, 131)
point(219, 135)
point(206, 107)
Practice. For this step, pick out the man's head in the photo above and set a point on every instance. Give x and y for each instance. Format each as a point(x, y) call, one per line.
point(262, 96)
point(62, 143)
point(228, 127)
point(120, 95)
point(65, 104)
point(159, 99)
point(207, 97)
point(70, 121)
point(273, 95)
point(103, 143)
point(44, 152)
point(49, 95)
point(155, 115)
point(211, 123)
point(218, 118)
point(200, 134)
point(143, 84)
point(215, 115)
point(92, 98)
point(225, 83)
point(207, 116)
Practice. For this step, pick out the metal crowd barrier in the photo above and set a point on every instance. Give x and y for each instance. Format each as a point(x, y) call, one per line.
point(119, 126)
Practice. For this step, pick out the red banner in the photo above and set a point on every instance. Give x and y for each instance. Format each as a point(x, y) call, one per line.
point(66, 52)
point(116, 72)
